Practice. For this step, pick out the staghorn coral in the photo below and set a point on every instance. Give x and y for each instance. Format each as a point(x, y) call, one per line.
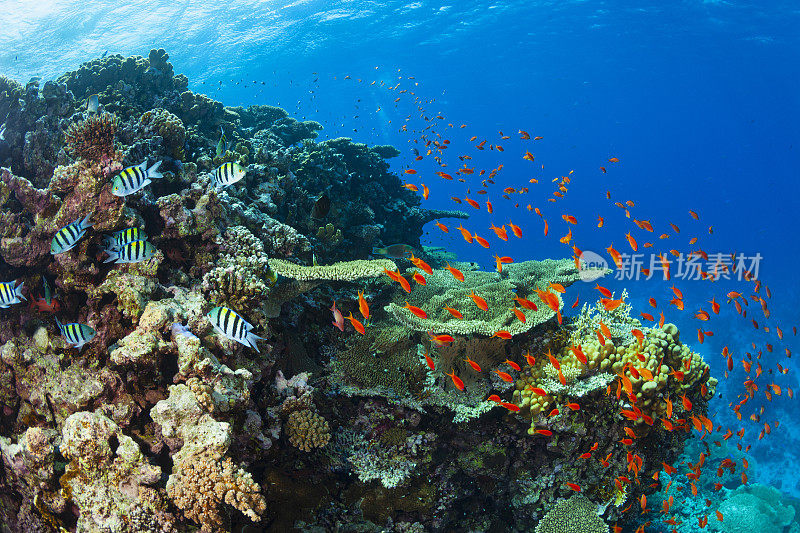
point(92, 138)
point(307, 430)
point(575, 515)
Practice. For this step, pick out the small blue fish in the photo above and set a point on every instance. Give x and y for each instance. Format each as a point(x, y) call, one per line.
point(231, 325)
point(76, 334)
point(67, 237)
point(133, 179)
point(10, 294)
point(132, 252)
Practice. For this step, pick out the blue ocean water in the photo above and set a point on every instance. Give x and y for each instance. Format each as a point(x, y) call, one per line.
point(699, 100)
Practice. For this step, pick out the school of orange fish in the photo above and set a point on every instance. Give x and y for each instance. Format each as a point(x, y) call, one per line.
point(430, 143)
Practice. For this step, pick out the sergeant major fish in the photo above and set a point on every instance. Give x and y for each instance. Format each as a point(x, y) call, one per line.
point(120, 238)
point(9, 294)
point(67, 237)
point(227, 174)
point(133, 179)
point(132, 252)
point(76, 334)
point(231, 325)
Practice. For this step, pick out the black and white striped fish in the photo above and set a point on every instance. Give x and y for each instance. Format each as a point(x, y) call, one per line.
point(118, 239)
point(9, 294)
point(132, 252)
point(227, 174)
point(76, 334)
point(67, 237)
point(231, 325)
point(133, 179)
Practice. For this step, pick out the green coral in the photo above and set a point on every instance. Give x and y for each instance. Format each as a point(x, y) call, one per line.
point(575, 515)
point(342, 271)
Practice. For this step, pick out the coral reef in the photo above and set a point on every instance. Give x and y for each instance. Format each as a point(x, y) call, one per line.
point(159, 424)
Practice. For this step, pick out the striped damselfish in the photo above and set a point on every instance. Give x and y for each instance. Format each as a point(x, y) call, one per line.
point(133, 179)
point(76, 334)
point(227, 174)
point(67, 237)
point(231, 325)
point(9, 294)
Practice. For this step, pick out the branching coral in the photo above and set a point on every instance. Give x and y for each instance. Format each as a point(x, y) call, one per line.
point(93, 137)
point(206, 480)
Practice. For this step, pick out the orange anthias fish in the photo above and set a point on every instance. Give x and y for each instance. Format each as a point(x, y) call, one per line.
point(525, 304)
point(443, 227)
point(441, 340)
point(480, 302)
point(502, 334)
point(419, 278)
point(504, 376)
point(455, 272)
point(429, 361)
point(455, 312)
point(416, 311)
point(357, 325)
point(516, 230)
point(465, 233)
point(420, 264)
point(456, 380)
point(500, 232)
point(475, 366)
point(362, 305)
point(513, 365)
point(397, 277)
point(480, 240)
